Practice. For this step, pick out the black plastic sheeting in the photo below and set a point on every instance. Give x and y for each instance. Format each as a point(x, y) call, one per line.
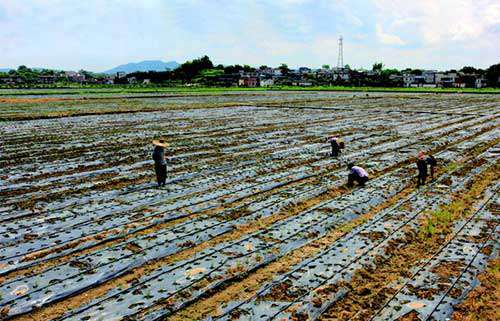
point(462, 254)
point(275, 241)
point(228, 260)
point(316, 280)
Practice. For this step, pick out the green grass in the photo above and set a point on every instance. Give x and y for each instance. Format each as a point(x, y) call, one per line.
point(436, 222)
point(451, 167)
point(103, 89)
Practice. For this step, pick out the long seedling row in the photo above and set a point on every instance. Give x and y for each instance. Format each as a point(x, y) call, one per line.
point(442, 281)
point(279, 229)
point(73, 231)
point(359, 248)
point(84, 235)
point(290, 155)
point(347, 251)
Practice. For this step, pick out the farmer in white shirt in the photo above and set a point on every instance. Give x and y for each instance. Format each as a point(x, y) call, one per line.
point(356, 174)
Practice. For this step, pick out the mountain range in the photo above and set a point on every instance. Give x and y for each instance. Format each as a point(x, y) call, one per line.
point(146, 65)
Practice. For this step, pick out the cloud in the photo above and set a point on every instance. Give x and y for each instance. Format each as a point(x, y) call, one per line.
point(99, 34)
point(434, 22)
point(386, 38)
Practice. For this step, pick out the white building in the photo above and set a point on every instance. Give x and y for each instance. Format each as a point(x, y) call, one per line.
point(267, 82)
point(446, 79)
point(480, 82)
point(429, 76)
point(340, 74)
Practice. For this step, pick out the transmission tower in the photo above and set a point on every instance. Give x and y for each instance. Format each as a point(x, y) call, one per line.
point(340, 60)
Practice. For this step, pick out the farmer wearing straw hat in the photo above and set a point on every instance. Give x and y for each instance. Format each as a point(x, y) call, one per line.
point(337, 144)
point(159, 158)
point(422, 169)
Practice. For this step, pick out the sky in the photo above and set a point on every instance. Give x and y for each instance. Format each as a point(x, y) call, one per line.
point(98, 35)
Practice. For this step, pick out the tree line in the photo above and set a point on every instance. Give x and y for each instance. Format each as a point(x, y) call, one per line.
point(203, 71)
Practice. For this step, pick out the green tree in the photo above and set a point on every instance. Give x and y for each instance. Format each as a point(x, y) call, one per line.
point(190, 69)
point(232, 69)
point(469, 70)
point(347, 67)
point(325, 66)
point(27, 75)
point(378, 66)
point(248, 68)
point(388, 72)
point(284, 69)
point(493, 76)
point(263, 67)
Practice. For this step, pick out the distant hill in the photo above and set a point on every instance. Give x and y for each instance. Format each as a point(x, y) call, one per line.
point(147, 65)
point(5, 69)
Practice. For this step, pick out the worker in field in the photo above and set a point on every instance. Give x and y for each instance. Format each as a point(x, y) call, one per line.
point(356, 174)
point(432, 162)
point(422, 169)
point(159, 158)
point(337, 145)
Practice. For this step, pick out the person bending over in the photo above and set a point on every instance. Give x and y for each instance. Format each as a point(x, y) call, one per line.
point(356, 174)
point(337, 145)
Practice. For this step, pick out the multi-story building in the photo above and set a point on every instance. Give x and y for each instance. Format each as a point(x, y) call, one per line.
point(266, 82)
point(341, 74)
point(429, 76)
point(74, 76)
point(247, 81)
point(47, 79)
point(446, 79)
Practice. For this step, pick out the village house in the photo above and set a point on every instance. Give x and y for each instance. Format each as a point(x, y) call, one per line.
point(341, 74)
point(481, 82)
point(303, 83)
point(276, 72)
point(248, 81)
point(324, 73)
point(74, 76)
point(267, 82)
point(446, 79)
point(10, 80)
point(227, 80)
point(429, 76)
point(47, 79)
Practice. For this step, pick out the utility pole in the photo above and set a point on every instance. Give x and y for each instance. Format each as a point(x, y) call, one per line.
point(340, 60)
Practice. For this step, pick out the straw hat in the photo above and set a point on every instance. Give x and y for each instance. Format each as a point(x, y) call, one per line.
point(160, 142)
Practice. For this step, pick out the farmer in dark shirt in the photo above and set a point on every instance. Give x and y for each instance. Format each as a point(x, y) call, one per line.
point(432, 163)
point(160, 162)
point(337, 144)
point(422, 169)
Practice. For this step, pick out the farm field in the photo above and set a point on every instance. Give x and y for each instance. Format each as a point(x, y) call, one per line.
point(256, 221)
